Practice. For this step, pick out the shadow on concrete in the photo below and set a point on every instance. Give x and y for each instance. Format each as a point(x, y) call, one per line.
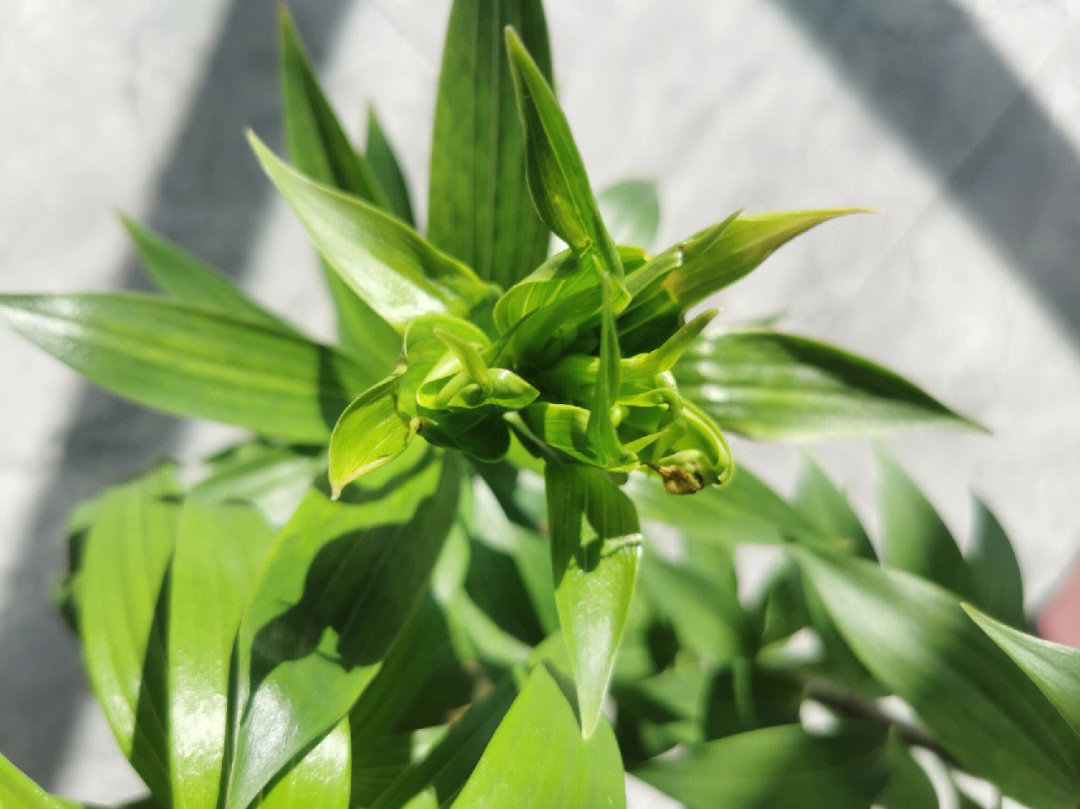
point(210, 197)
point(927, 70)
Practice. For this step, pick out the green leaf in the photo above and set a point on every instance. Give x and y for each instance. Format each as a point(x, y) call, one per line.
point(538, 758)
point(186, 279)
point(909, 786)
point(321, 778)
point(600, 429)
point(774, 386)
point(913, 537)
point(19, 792)
point(738, 249)
point(818, 498)
point(594, 574)
point(998, 585)
point(556, 175)
point(478, 204)
point(384, 165)
point(124, 596)
point(193, 361)
point(914, 637)
point(216, 558)
point(1054, 668)
point(321, 150)
point(778, 767)
point(632, 211)
point(340, 583)
point(369, 433)
point(392, 267)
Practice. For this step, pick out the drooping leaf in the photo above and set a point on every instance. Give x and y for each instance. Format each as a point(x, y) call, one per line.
point(998, 586)
point(320, 149)
point(556, 175)
point(369, 433)
point(913, 537)
point(818, 498)
point(781, 767)
point(19, 792)
point(392, 267)
point(194, 361)
point(914, 637)
point(478, 204)
point(594, 574)
point(340, 583)
point(183, 277)
point(1054, 668)
point(739, 248)
point(384, 165)
point(631, 210)
point(774, 386)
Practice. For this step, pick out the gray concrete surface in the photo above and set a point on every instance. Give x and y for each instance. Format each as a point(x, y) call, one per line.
point(959, 120)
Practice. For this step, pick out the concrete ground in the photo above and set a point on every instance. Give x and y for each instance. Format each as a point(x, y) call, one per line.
point(959, 119)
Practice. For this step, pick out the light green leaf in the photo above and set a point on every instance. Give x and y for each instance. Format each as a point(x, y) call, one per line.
point(998, 585)
point(19, 792)
point(556, 176)
point(594, 574)
point(384, 165)
point(123, 601)
point(340, 583)
point(739, 248)
point(818, 498)
point(600, 429)
point(913, 537)
point(774, 386)
point(321, 778)
point(193, 361)
point(478, 206)
point(186, 279)
point(777, 767)
point(538, 758)
point(392, 267)
point(321, 150)
point(914, 637)
point(369, 433)
point(631, 210)
point(1054, 668)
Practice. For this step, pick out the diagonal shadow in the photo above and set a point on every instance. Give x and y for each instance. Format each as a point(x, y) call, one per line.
point(210, 197)
point(927, 70)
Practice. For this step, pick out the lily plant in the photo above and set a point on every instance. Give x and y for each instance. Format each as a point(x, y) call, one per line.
point(481, 552)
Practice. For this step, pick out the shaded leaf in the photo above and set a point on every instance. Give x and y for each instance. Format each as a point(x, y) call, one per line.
point(774, 386)
point(384, 165)
point(908, 786)
point(818, 498)
point(631, 210)
point(998, 586)
point(478, 203)
point(193, 361)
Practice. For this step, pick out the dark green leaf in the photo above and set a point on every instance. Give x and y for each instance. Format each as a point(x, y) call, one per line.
point(392, 267)
point(556, 176)
point(193, 361)
point(914, 637)
point(594, 574)
point(478, 206)
point(909, 786)
point(774, 386)
point(777, 767)
point(632, 211)
point(384, 165)
point(819, 499)
point(998, 586)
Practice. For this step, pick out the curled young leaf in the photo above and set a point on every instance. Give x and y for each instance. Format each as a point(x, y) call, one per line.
point(370, 432)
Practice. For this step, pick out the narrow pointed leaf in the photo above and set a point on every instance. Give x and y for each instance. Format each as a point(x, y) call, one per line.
point(913, 537)
point(999, 587)
point(748, 241)
point(392, 267)
point(384, 165)
point(193, 361)
point(632, 211)
point(594, 575)
point(187, 279)
point(556, 175)
point(1054, 668)
point(778, 767)
point(19, 792)
point(600, 430)
point(478, 206)
point(320, 149)
point(914, 637)
point(340, 582)
point(818, 498)
point(774, 386)
point(369, 433)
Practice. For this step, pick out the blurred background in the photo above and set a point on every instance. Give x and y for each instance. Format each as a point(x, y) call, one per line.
point(958, 119)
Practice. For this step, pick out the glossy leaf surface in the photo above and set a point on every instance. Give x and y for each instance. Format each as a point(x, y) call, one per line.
point(369, 433)
point(19, 792)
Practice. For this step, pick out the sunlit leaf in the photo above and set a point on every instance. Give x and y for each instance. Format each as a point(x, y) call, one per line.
point(19, 792)
point(369, 433)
